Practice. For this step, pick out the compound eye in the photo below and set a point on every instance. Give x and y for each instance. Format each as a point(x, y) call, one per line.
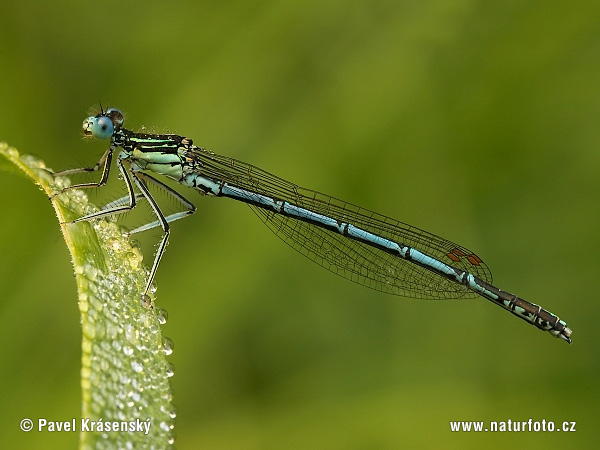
point(116, 116)
point(99, 127)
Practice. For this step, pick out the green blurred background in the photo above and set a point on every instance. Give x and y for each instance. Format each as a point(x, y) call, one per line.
point(475, 120)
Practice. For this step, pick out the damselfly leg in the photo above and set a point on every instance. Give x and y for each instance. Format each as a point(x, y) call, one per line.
point(129, 202)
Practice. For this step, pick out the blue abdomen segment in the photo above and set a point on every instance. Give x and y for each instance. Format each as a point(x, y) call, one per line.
point(521, 308)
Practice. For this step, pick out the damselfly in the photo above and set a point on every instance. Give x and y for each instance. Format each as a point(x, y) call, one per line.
point(353, 242)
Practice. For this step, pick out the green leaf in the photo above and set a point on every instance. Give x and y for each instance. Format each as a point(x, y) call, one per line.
point(124, 373)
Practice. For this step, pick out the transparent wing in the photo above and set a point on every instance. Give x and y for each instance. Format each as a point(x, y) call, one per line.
point(346, 257)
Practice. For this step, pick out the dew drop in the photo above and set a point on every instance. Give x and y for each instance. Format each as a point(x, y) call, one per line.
point(170, 370)
point(85, 373)
point(61, 183)
point(78, 196)
point(114, 244)
point(146, 301)
point(132, 334)
point(145, 320)
point(92, 315)
point(10, 151)
point(90, 272)
point(162, 315)
point(117, 362)
point(94, 377)
point(100, 329)
point(168, 345)
point(32, 161)
point(86, 346)
point(111, 331)
point(89, 329)
point(96, 409)
point(134, 258)
point(84, 305)
point(83, 284)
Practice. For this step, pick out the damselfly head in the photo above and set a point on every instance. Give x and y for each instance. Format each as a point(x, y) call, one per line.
point(103, 125)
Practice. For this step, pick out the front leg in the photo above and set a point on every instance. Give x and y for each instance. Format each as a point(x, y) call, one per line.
point(115, 209)
point(104, 162)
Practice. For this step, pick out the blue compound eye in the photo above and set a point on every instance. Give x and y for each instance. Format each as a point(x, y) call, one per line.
point(99, 127)
point(102, 128)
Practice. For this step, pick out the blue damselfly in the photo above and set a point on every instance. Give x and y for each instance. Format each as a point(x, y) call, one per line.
point(353, 242)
